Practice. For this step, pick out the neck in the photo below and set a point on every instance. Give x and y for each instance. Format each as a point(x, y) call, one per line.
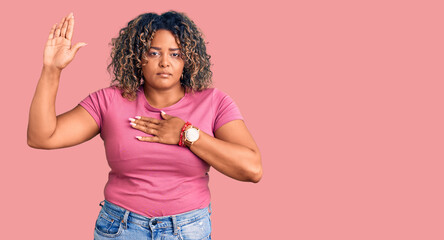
point(163, 98)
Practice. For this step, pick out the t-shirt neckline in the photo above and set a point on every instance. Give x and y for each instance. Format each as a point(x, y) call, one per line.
point(178, 104)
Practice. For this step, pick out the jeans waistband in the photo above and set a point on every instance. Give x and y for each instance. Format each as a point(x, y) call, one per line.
point(173, 221)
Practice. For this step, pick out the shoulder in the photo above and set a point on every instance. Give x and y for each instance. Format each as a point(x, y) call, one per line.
point(101, 98)
point(105, 94)
point(214, 93)
point(219, 99)
point(108, 91)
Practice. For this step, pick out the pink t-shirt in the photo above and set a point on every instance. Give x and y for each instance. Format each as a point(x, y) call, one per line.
point(154, 179)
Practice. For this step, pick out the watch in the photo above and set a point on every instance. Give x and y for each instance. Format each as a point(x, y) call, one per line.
point(191, 135)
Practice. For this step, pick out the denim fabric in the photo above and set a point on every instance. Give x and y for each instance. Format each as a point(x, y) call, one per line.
point(118, 223)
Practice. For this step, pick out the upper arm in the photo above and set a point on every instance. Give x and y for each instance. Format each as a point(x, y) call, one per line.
point(73, 127)
point(236, 132)
point(228, 124)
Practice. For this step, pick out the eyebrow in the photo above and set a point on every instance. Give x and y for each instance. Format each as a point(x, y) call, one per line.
point(171, 49)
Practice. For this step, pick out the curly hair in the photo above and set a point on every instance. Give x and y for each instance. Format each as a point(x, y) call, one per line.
point(135, 39)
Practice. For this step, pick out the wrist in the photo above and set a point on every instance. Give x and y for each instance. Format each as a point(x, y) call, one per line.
point(182, 134)
point(191, 135)
point(51, 71)
point(188, 135)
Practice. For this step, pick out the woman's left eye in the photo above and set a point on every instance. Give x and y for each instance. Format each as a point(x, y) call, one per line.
point(175, 54)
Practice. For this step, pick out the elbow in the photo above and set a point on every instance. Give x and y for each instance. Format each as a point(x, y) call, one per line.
point(29, 139)
point(38, 146)
point(35, 144)
point(30, 142)
point(254, 174)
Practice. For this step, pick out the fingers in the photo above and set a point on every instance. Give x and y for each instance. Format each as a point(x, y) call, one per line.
point(148, 128)
point(70, 28)
point(145, 122)
point(148, 119)
point(59, 28)
point(51, 33)
point(65, 25)
point(145, 129)
point(165, 116)
point(162, 131)
point(77, 46)
point(148, 139)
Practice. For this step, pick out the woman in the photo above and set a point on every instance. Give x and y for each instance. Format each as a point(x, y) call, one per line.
point(162, 125)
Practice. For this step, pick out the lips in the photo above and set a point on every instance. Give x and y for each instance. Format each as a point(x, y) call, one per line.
point(164, 74)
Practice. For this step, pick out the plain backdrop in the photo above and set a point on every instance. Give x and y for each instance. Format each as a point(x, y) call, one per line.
point(344, 99)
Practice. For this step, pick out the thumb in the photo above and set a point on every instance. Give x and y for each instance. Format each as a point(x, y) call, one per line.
point(164, 115)
point(77, 46)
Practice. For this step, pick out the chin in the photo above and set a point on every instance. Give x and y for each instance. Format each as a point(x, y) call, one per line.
point(164, 85)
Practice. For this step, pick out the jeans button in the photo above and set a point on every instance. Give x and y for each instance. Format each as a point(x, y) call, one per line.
point(154, 222)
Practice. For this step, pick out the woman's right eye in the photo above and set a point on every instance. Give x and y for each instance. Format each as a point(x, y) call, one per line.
point(153, 53)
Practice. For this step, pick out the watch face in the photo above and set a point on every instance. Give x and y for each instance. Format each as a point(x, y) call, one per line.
point(192, 134)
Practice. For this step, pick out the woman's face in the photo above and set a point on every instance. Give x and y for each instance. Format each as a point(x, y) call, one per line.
point(163, 65)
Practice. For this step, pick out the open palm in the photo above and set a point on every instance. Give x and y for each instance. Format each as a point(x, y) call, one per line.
point(58, 50)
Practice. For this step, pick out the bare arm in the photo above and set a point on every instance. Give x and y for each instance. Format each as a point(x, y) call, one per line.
point(232, 151)
point(45, 129)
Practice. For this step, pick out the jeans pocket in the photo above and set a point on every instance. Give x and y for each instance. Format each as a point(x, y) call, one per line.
point(197, 230)
point(108, 225)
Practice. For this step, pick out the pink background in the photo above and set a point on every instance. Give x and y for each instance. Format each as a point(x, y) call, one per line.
point(344, 99)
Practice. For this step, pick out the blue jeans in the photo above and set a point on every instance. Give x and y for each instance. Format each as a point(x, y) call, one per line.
point(118, 223)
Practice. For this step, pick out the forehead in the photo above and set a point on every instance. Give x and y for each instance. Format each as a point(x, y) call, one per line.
point(164, 39)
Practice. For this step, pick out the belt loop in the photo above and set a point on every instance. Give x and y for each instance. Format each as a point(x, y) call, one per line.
point(175, 227)
point(125, 219)
point(101, 203)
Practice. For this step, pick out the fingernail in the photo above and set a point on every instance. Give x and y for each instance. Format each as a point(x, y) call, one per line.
point(132, 119)
point(139, 137)
point(133, 124)
point(162, 112)
point(137, 117)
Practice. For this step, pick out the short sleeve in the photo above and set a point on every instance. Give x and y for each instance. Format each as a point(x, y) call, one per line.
point(225, 109)
point(97, 103)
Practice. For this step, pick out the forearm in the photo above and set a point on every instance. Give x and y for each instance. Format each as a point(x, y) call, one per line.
point(42, 116)
point(232, 152)
point(233, 160)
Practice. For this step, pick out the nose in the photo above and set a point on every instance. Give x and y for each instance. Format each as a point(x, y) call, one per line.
point(164, 61)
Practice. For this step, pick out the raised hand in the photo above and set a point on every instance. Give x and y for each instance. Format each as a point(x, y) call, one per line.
point(58, 50)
